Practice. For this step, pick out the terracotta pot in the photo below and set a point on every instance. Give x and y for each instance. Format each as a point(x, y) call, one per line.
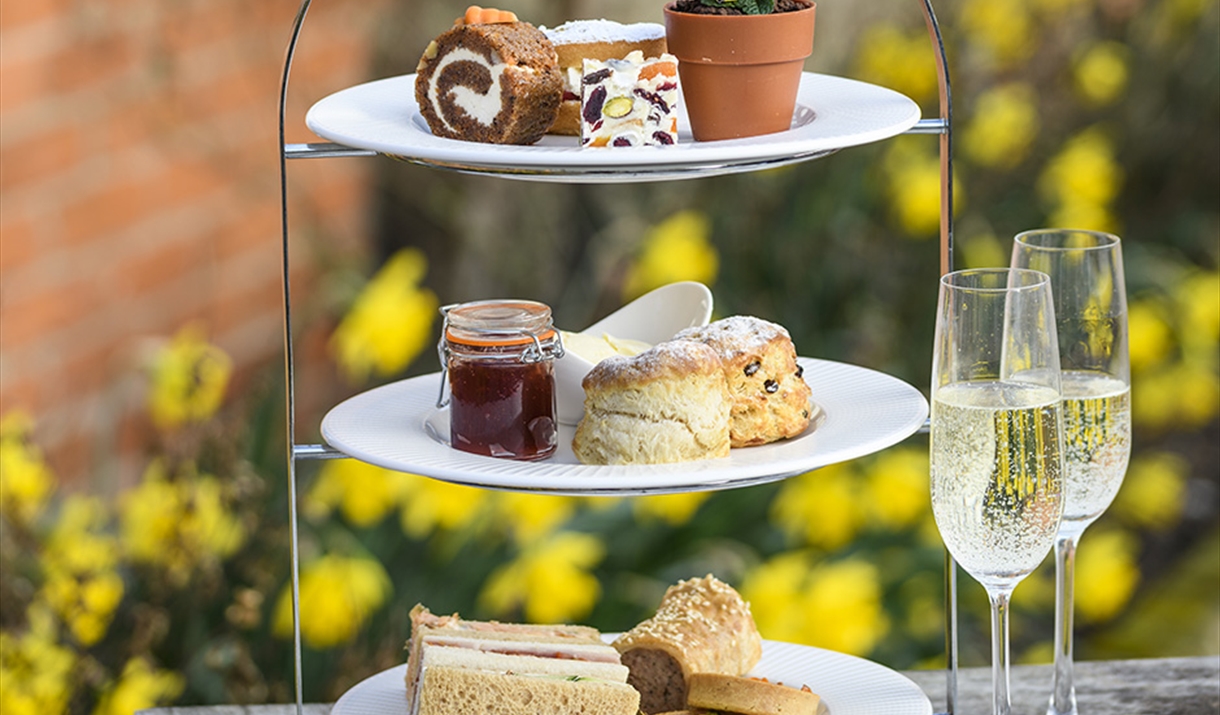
point(740, 73)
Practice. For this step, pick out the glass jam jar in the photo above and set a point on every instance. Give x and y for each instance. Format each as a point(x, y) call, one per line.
point(499, 360)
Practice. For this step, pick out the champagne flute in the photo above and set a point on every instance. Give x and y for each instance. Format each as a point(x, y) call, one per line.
point(1086, 271)
point(996, 438)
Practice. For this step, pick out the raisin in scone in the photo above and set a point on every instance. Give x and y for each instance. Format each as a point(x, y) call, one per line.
point(668, 404)
point(770, 396)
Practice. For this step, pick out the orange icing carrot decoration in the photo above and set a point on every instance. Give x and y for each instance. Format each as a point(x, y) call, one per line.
point(476, 15)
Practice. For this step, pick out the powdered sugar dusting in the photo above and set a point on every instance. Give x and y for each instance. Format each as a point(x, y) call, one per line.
point(736, 334)
point(603, 31)
point(680, 355)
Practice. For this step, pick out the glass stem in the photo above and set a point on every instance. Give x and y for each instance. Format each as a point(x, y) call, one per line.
point(1063, 690)
point(1002, 703)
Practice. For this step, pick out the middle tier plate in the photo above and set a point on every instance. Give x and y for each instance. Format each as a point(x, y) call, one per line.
point(862, 411)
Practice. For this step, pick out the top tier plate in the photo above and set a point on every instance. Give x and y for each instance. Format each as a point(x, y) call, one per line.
point(832, 113)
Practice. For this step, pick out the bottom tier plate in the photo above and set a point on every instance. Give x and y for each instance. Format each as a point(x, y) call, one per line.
point(846, 684)
point(862, 411)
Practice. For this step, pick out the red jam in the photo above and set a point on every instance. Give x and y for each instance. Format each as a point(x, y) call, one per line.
point(500, 360)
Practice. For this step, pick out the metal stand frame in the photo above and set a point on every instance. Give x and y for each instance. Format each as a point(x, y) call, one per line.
point(325, 150)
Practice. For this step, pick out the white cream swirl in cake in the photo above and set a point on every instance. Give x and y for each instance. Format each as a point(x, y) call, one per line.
point(496, 83)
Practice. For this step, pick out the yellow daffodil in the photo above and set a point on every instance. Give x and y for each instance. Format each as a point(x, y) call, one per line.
point(390, 323)
point(897, 487)
point(982, 250)
point(431, 504)
point(338, 596)
point(1082, 180)
point(892, 57)
point(1101, 71)
point(28, 482)
point(1003, 127)
point(36, 673)
point(1183, 394)
point(140, 686)
point(1107, 572)
point(1153, 492)
point(677, 249)
point(673, 509)
point(79, 562)
point(912, 175)
point(188, 378)
point(1197, 304)
point(773, 590)
point(1150, 335)
point(550, 582)
point(832, 605)
point(533, 516)
point(1004, 29)
point(822, 508)
point(179, 523)
point(365, 493)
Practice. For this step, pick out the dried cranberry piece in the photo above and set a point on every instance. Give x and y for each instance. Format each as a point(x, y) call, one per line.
point(622, 141)
point(667, 86)
point(752, 368)
point(800, 370)
point(593, 105)
point(595, 77)
point(653, 98)
point(771, 386)
point(662, 138)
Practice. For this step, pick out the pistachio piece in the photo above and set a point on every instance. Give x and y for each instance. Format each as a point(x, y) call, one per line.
point(617, 107)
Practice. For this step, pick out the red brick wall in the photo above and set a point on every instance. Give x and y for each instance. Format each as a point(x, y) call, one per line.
point(139, 191)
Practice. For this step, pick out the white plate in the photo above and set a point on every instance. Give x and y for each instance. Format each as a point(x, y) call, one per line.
point(864, 411)
point(846, 684)
point(832, 113)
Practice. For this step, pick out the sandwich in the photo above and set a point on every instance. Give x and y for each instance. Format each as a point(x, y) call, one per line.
point(456, 667)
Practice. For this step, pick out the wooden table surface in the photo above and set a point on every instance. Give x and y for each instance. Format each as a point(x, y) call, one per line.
point(1163, 686)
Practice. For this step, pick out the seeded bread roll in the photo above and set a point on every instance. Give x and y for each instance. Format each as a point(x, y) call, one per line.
point(668, 404)
point(496, 83)
point(701, 626)
point(770, 396)
point(749, 696)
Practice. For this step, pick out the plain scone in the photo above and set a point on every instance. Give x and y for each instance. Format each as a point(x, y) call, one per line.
point(667, 404)
point(702, 625)
point(770, 395)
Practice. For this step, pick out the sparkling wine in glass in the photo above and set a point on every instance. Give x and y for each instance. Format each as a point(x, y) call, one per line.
point(1086, 272)
point(996, 438)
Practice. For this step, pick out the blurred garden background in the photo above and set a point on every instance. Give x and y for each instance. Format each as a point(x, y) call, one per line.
point(166, 580)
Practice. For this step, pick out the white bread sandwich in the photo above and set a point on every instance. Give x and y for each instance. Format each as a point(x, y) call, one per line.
point(457, 667)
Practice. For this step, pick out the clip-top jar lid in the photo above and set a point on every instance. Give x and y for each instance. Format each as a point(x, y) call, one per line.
point(498, 322)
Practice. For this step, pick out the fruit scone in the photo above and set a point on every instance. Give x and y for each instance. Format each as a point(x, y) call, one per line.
point(770, 395)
